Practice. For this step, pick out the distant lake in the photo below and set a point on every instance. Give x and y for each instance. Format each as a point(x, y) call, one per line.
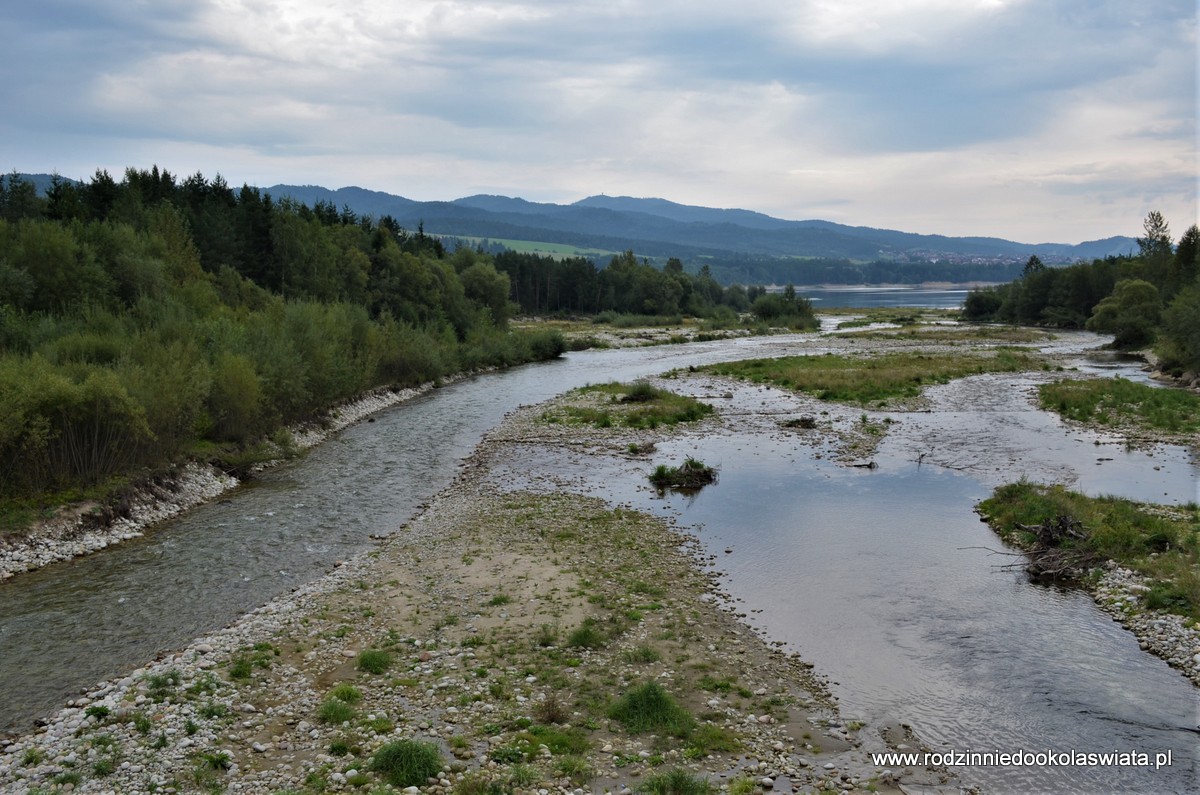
point(871, 295)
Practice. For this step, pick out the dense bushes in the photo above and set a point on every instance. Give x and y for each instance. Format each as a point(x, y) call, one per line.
point(1140, 299)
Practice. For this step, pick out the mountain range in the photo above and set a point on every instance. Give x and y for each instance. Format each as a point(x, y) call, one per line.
point(658, 228)
point(661, 228)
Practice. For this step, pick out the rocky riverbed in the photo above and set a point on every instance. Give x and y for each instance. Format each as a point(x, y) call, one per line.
point(500, 626)
point(85, 528)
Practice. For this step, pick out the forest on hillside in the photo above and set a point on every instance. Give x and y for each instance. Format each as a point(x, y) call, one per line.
point(1152, 297)
point(150, 319)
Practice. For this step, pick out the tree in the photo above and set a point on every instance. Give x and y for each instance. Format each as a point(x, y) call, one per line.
point(1034, 265)
point(1156, 249)
point(1186, 265)
point(1181, 330)
point(488, 288)
point(1130, 313)
point(1158, 236)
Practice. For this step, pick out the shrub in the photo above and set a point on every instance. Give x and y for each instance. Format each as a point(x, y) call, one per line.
point(407, 763)
point(691, 474)
point(550, 710)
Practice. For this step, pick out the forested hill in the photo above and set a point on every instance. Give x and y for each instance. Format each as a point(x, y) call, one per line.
point(660, 228)
point(148, 320)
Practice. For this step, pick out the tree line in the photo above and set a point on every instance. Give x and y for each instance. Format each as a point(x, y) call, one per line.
point(151, 318)
point(626, 285)
point(1150, 297)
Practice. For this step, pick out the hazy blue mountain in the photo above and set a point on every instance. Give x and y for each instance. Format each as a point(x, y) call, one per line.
point(362, 201)
point(659, 228)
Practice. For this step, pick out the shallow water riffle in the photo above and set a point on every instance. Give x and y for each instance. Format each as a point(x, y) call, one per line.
point(989, 427)
point(887, 581)
point(1108, 363)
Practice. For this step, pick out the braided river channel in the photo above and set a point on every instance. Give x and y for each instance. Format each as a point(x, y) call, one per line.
point(877, 576)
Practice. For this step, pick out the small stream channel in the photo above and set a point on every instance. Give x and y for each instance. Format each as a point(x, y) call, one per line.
point(867, 573)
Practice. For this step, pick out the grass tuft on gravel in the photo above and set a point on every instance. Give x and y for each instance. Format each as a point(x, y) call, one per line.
point(676, 782)
point(648, 707)
point(374, 661)
point(407, 763)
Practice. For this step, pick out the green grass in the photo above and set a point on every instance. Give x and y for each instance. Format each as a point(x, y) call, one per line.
point(407, 763)
point(642, 653)
point(648, 707)
point(374, 661)
point(141, 722)
point(618, 320)
point(558, 740)
point(556, 250)
point(586, 636)
point(575, 768)
point(636, 405)
point(676, 782)
point(901, 318)
point(1140, 537)
point(346, 692)
point(709, 738)
point(866, 380)
point(335, 711)
point(1114, 401)
point(953, 334)
point(160, 686)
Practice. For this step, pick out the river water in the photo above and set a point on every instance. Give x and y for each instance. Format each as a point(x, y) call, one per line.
point(865, 572)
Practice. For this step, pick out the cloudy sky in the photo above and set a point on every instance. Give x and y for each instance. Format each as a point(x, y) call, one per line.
point(1035, 120)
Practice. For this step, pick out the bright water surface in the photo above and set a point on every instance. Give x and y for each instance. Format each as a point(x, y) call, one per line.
point(865, 572)
point(945, 297)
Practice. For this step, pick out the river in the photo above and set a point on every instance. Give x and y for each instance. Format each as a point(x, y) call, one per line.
point(884, 578)
point(913, 627)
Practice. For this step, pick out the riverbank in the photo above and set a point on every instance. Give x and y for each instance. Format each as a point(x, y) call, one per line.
point(502, 626)
point(82, 529)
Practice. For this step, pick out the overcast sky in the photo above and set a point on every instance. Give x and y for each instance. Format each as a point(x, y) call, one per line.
point(1034, 120)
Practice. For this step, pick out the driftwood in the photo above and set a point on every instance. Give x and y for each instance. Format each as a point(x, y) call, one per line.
point(1049, 558)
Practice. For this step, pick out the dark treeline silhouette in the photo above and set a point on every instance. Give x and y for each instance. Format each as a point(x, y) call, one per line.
point(1153, 296)
point(752, 270)
point(732, 269)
